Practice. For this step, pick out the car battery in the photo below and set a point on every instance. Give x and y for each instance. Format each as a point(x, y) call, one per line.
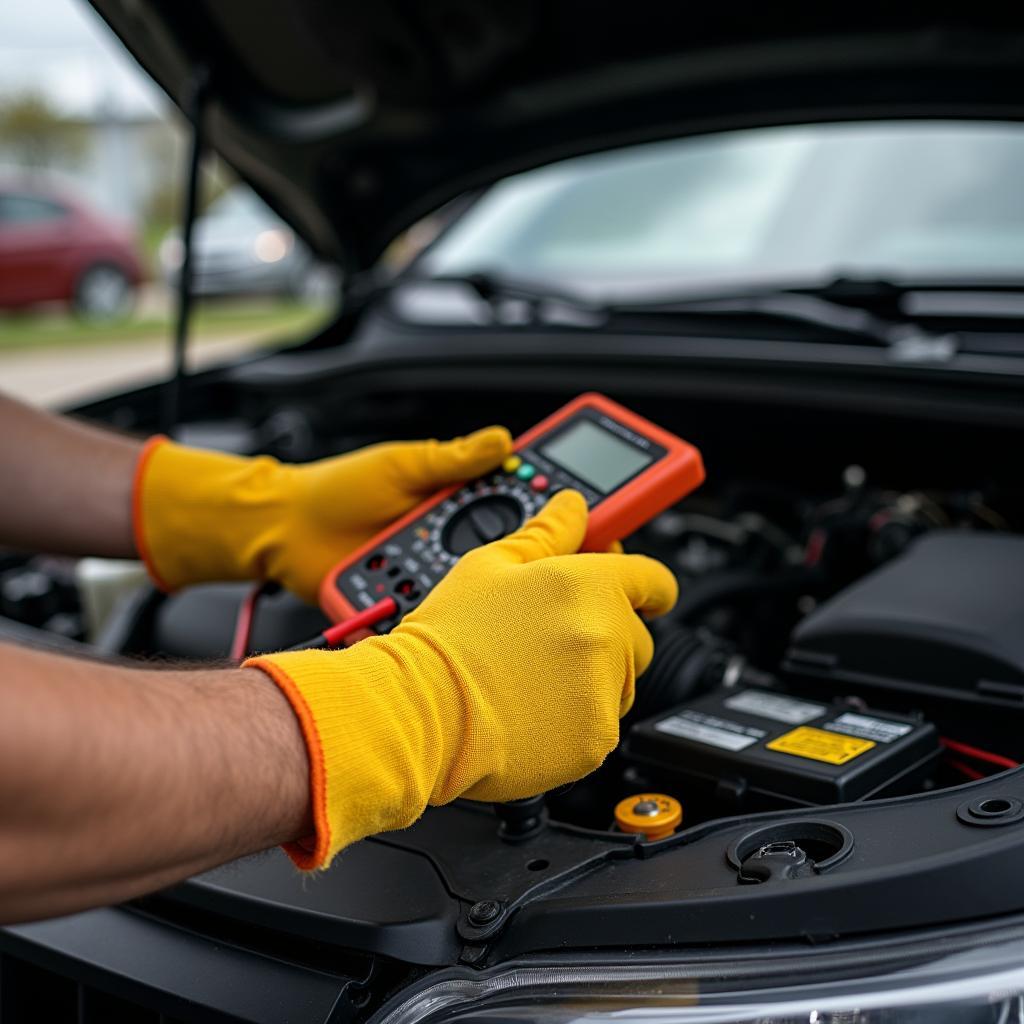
point(762, 749)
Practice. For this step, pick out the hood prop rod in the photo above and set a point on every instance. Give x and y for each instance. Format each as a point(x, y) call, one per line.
point(173, 388)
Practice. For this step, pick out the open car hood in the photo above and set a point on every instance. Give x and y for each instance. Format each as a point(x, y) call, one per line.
point(355, 119)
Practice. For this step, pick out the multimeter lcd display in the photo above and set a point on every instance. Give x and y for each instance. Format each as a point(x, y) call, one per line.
point(596, 456)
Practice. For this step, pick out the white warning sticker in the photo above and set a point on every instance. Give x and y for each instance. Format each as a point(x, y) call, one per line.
point(868, 728)
point(775, 706)
point(710, 729)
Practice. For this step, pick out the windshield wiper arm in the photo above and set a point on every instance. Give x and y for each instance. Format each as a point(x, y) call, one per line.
point(906, 339)
point(518, 302)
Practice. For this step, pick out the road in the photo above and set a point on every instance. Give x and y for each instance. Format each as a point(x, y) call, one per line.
point(59, 373)
point(63, 375)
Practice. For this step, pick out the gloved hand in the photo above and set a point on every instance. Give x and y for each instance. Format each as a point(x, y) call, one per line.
point(508, 680)
point(202, 516)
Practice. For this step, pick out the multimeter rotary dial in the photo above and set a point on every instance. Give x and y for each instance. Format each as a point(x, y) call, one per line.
point(477, 516)
point(480, 522)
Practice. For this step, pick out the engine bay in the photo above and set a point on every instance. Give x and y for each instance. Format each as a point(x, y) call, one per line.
point(843, 657)
point(881, 616)
point(853, 649)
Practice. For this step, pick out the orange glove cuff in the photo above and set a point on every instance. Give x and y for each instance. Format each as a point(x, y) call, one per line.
point(375, 745)
point(141, 541)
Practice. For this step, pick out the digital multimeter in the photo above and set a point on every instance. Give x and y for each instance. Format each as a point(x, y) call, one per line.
point(627, 469)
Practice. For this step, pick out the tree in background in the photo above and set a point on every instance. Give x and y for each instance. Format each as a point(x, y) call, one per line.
point(33, 134)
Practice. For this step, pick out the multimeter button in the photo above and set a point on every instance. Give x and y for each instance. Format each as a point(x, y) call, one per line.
point(525, 471)
point(539, 482)
point(376, 562)
point(512, 463)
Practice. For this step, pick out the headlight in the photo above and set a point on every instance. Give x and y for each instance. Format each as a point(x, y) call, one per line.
point(983, 985)
point(273, 245)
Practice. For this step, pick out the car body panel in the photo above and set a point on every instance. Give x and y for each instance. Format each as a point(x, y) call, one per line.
point(351, 120)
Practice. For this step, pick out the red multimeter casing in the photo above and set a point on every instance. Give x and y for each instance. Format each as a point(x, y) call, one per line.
point(627, 468)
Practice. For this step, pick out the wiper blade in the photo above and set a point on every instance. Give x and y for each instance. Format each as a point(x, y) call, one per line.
point(822, 308)
point(517, 302)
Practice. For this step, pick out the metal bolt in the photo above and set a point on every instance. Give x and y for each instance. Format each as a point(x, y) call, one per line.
point(484, 912)
point(648, 808)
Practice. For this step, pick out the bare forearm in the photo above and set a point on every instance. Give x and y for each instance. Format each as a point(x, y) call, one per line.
point(116, 781)
point(66, 486)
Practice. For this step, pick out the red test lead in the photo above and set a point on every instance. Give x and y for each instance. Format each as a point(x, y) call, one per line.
point(336, 634)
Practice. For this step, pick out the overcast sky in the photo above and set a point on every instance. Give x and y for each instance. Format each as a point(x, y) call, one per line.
point(63, 49)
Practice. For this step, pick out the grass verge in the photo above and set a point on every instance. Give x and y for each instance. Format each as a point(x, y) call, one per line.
point(278, 320)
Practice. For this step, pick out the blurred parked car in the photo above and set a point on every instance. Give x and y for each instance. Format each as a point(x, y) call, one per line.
point(56, 248)
point(243, 248)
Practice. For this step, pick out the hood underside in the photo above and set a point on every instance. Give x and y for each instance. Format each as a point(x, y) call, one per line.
point(355, 119)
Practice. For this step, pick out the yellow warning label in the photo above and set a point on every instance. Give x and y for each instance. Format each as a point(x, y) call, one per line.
point(819, 745)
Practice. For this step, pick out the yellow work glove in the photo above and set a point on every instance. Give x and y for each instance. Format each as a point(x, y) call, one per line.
point(201, 516)
point(508, 680)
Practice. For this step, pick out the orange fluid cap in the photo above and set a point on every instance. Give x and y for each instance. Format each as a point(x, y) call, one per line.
point(652, 815)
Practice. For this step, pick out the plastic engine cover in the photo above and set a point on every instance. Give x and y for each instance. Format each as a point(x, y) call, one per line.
point(945, 618)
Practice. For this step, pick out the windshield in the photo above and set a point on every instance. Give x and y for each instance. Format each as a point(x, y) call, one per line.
point(899, 201)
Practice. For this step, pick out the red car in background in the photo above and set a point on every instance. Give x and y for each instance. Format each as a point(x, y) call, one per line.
point(56, 248)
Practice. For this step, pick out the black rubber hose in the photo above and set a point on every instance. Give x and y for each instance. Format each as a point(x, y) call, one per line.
point(739, 585)
point(685, 663)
